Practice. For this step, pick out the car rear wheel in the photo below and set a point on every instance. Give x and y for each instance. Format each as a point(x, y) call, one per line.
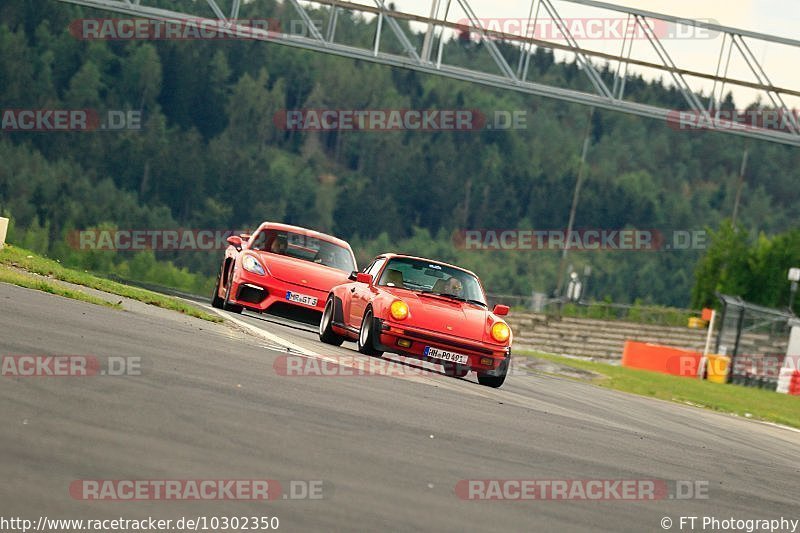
point(216, 301)
point(233, 308)
point(494, 381)
point(455, 370)
point(326, 333)
point(366, 340)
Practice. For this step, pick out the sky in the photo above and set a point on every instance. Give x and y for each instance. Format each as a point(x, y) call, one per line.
point(775, 17)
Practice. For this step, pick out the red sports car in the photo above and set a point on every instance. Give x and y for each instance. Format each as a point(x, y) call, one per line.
point(421, 308)
point(281, 268)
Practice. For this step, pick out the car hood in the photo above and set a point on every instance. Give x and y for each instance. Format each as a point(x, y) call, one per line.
point(302, 272)
point(448, 316)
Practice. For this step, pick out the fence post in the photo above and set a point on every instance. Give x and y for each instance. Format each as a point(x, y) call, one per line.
point(721, 325)
point(739, 326)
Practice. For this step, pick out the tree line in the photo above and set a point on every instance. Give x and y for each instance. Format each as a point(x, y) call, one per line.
point(210, 155)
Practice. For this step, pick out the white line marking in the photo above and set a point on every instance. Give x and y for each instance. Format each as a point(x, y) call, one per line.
point(775, 424)
point(304, 352)
point(265, 334)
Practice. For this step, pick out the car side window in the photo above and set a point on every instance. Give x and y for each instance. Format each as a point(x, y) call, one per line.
point(375, 267)
point(260, 241)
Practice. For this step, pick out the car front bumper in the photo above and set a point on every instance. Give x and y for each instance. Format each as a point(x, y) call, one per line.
point(259, 293)
point(490, 359)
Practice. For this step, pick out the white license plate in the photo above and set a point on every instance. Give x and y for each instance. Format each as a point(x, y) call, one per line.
point(446, 356)
point(301, 298)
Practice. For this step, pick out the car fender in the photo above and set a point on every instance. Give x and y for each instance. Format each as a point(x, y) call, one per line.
point(342, 294)
point(231, 254)
point(491, 319)
point(380, 303)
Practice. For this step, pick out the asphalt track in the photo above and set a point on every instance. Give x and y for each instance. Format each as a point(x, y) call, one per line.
point(209, 404)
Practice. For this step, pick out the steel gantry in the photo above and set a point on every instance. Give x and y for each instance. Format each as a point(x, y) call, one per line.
point(419, 43)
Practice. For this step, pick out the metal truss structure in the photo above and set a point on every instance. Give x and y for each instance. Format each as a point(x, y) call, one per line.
point(415, 41)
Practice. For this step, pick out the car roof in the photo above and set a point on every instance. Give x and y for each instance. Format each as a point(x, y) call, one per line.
point(304, 231)
point(393, 255)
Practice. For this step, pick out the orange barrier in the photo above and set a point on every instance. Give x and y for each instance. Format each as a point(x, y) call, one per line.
point(658, 358)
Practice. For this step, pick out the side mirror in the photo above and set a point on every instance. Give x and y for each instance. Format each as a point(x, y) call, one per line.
point(235, 241)
point(362, 277)
point(500, 310)
point(353, 275)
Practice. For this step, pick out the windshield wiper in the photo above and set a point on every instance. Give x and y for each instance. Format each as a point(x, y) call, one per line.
point(455, 297)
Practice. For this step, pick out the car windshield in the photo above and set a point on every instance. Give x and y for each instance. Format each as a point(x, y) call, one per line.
point(304, 247)
point(430, 277)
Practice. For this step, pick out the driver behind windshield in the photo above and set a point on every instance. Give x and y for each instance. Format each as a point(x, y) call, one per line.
point(454, 287)
point(279, 245)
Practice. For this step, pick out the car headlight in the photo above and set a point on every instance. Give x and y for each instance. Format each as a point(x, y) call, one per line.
point(500, 332)
point(251, 264)
point(398, 310)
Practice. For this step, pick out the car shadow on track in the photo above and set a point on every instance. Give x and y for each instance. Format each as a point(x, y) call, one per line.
point(395, 362)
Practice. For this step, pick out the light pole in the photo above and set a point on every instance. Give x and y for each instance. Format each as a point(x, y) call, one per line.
point(575, 197)
point(739, 186)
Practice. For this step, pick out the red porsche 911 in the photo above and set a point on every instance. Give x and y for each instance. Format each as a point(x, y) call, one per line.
point(421, 308)
point(284, 269)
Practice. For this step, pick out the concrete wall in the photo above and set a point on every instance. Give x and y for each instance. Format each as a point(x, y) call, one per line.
point(3, 231)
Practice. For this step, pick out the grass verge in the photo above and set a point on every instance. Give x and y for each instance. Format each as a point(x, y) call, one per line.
point(23, 259)
point(758, 404)
point(29, 281)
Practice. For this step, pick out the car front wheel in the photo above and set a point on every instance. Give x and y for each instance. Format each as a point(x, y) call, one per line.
point(326, 333)
point(366, 340)
point(216, 301)
point(494, 381)
point(233, 308)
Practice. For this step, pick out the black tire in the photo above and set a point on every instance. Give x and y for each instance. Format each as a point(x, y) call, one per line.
point(455, 370)
point(491, 381)
point(233, 308)
point(326, 333)
point(216, 301)
point(494, 381)
point(366, 340)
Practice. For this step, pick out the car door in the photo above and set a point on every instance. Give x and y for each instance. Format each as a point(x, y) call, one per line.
point(361, 293)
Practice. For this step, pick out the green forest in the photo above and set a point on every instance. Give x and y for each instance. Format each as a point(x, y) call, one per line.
point(209, 155)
